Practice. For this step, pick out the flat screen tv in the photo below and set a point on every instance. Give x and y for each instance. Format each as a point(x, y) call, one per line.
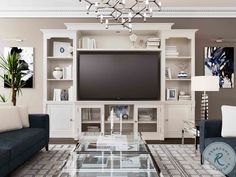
point(118, 76)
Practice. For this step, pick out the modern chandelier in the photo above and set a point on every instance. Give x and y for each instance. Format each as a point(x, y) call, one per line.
point(122, 12)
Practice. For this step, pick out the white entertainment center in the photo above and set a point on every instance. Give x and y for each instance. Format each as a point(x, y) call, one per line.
point(71, 117)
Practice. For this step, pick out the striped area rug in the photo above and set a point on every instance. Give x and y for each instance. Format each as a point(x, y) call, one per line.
point(173, 160)
point(181, 161)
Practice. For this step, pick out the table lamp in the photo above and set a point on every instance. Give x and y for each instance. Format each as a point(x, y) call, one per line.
point(205, 84)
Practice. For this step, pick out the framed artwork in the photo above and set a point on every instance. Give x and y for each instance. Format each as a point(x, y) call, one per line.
point(171, 94)
point(62, 49)
point(219, 61)
point(27, 59)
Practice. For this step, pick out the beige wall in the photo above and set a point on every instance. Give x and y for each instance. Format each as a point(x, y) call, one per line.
point(29, 29)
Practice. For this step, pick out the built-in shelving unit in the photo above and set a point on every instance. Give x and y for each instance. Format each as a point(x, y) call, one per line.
point(153, 119)
point(58, 55)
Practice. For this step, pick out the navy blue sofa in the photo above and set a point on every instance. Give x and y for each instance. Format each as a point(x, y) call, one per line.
point(19, 145)
point(210, 132)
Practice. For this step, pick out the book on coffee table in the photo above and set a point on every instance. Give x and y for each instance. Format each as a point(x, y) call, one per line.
point(94, 162)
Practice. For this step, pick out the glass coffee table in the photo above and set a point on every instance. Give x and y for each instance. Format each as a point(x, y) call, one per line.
point(99, 155)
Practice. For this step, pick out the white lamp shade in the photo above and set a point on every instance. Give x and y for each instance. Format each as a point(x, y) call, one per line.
point(205, 83)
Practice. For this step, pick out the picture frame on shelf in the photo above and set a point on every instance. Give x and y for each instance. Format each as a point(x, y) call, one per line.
point(168, 73)
point(62, 49)
point(171, 93)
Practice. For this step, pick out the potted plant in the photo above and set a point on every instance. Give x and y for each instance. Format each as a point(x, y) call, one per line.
point(3, 98)
point(12, 73)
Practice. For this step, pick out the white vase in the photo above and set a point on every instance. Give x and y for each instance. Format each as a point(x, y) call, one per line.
point(57, 74)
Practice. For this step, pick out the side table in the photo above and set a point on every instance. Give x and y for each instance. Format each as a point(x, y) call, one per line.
point(192, 129)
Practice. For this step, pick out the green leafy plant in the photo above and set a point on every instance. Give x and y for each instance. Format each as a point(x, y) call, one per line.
point(12, 74)
point(3, 98)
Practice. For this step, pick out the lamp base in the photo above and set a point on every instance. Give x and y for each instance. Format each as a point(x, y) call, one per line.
point(204, 106)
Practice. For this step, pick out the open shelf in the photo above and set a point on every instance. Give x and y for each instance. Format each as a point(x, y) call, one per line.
point(178, 57)
point(90, 122)
point(177, 79)
point(147, 122)
point(60, 80)
point(59, 102)
point(120, 50)
point(59, 58)
point(123, 121)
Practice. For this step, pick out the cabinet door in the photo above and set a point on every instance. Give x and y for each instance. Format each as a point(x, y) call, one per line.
point(148, 121)
point(60, 121)
point(175, 114)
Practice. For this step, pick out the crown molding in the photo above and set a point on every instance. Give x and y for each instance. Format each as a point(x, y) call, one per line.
point(166, 12)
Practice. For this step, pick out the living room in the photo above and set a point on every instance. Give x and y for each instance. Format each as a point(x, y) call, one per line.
point(89, 94)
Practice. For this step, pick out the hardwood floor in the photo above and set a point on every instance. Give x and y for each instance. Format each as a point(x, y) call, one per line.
point(166, 141)
point(62, 141)
point(171, 141)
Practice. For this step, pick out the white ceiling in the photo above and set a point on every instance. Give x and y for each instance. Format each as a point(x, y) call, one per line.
point(14, 4)
point(70, 8)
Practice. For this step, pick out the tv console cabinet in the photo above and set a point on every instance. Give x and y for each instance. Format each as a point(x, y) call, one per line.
point(155, 120)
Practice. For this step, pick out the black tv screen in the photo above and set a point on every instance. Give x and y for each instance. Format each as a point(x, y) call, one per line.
point(118, 76)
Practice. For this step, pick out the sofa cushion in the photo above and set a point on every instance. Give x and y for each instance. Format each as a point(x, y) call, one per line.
point(228, 121)
point(18, 141)
point(229, 141)
point(4, 157)
point(10, 118)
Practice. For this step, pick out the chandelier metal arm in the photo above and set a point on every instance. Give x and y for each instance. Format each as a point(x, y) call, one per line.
point(120, 13)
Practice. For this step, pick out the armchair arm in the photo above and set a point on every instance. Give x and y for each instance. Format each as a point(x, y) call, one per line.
point(39, 121)
point(209, 129)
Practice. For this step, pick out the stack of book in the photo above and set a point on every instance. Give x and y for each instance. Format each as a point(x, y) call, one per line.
point(184, 97)
point(93, 128)
point(70, 93)
point(67, 72)
point(58, 96)
point(88, 43)
point(145, 117)
point(171, 51)
point(153, 43)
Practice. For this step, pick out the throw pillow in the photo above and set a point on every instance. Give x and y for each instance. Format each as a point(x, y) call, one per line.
point(24, 116)
point(10, 118)
point(228, 121)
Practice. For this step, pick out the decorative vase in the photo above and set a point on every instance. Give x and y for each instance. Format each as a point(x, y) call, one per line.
point(133, 38)
point(57, 73)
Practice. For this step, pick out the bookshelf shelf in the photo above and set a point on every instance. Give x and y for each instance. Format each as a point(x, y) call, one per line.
point(124, 50)
point(178, 57)
point(60, 80)
point(123, 121)
point(178, 79)
point(91, 122)
point(147, 122)
point(60, 58)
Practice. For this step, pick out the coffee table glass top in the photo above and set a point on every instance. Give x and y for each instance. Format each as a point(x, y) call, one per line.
point(98, 155)
point(108, 142)
point(104, 164)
